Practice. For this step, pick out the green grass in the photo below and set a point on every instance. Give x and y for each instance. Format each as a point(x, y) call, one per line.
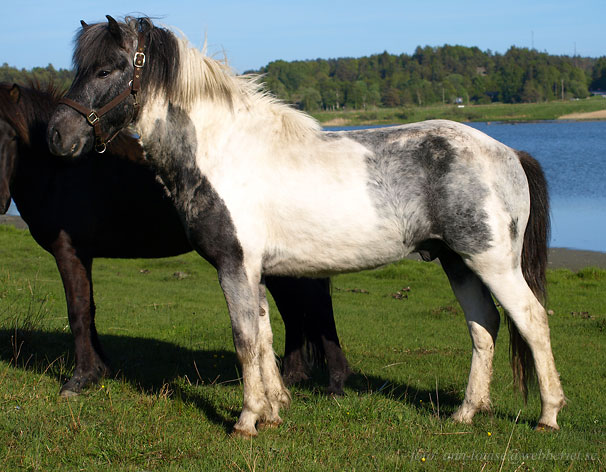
point(491, 112)
point(175, 393)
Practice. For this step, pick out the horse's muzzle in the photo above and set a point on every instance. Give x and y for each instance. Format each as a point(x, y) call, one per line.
point(61, 144)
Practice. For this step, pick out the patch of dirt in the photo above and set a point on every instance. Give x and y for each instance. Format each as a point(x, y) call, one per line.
point(592, 115)
point(336, 122)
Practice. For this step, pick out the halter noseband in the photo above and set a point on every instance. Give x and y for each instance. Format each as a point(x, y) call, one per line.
point(93, 117)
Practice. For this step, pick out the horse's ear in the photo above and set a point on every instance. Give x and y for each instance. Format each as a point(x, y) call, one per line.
point(114, 29)
point(84, 24)
point(15, 93)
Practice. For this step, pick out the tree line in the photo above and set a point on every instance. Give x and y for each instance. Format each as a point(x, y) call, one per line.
point(61, 79)
point(433, 75)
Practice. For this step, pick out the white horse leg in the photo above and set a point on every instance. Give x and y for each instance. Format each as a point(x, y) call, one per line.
point(243, 304)
point(511, 290)
point(483, 323)
point(277, 394)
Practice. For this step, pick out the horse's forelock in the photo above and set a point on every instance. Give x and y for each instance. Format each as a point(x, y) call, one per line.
point(97, 41)
point(162, 50)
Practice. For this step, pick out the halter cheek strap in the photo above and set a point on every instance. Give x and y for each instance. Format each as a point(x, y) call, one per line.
point(93, 117)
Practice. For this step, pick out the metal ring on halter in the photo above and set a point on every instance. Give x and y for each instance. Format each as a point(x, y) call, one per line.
point(100, 146)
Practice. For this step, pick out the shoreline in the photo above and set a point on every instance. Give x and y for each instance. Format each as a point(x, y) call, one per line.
point(495, 113)
point(559, 258)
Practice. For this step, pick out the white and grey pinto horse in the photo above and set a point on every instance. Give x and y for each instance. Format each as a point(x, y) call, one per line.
point(262, 190)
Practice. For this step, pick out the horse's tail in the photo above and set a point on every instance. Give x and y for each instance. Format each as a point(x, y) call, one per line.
point(534, 265)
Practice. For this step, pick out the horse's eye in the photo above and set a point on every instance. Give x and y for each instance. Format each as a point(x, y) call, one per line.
point(102, 74)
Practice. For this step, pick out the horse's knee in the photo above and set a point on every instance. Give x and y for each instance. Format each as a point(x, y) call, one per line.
point(483, 338)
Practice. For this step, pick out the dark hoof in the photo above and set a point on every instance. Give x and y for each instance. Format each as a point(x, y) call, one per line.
point(73, 387)
point(337, 382)
point(67, 393)
point(335, 391)
point(294, 377)
point(79, 382)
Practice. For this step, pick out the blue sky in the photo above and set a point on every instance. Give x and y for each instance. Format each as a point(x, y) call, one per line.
point(251, 34)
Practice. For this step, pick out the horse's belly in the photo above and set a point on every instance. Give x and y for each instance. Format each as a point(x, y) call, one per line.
point(332, 251)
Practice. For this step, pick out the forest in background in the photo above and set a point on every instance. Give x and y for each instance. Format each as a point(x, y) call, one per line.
point(432, 75)
point(61, 79)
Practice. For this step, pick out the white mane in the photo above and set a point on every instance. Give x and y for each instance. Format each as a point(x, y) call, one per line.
point(202, 77)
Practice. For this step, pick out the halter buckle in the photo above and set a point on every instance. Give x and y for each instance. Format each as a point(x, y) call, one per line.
point(139, 59)
point(92, 118)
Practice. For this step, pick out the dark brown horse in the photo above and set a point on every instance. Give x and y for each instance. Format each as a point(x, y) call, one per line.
point(116, 207)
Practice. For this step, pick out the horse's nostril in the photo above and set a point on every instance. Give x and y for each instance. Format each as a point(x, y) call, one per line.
point(55, 137)
point(56, 144)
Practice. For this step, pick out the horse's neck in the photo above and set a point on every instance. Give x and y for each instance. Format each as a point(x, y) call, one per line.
point(213, 135)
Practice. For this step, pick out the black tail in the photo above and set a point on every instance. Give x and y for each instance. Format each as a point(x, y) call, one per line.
point(534, 265)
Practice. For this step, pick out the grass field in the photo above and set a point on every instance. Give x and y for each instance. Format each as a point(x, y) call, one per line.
point(491, 112)
point(175, 391)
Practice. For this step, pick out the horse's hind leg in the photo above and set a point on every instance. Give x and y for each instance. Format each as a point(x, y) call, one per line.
point(483, 323)
point(306, 308)
point(320, 323)
point(288, 297)
point(506, 282)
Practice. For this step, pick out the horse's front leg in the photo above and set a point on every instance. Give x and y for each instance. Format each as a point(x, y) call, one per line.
point(250, 339)
point(275, 391)
point(75, 272)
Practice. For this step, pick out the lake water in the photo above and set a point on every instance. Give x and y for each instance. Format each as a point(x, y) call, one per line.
point(573, 155)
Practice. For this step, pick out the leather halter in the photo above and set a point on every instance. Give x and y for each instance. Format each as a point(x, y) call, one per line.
point(93, 117)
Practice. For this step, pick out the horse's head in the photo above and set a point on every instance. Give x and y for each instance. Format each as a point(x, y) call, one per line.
point(103, 97)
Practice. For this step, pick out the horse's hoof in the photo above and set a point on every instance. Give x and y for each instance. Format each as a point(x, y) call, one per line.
point(67, 393)
point(293, 378)
point(545, 428)
point(335, 391)
point(73, 387)
point(270, 424)
point(463, 417)
point(242, 433)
